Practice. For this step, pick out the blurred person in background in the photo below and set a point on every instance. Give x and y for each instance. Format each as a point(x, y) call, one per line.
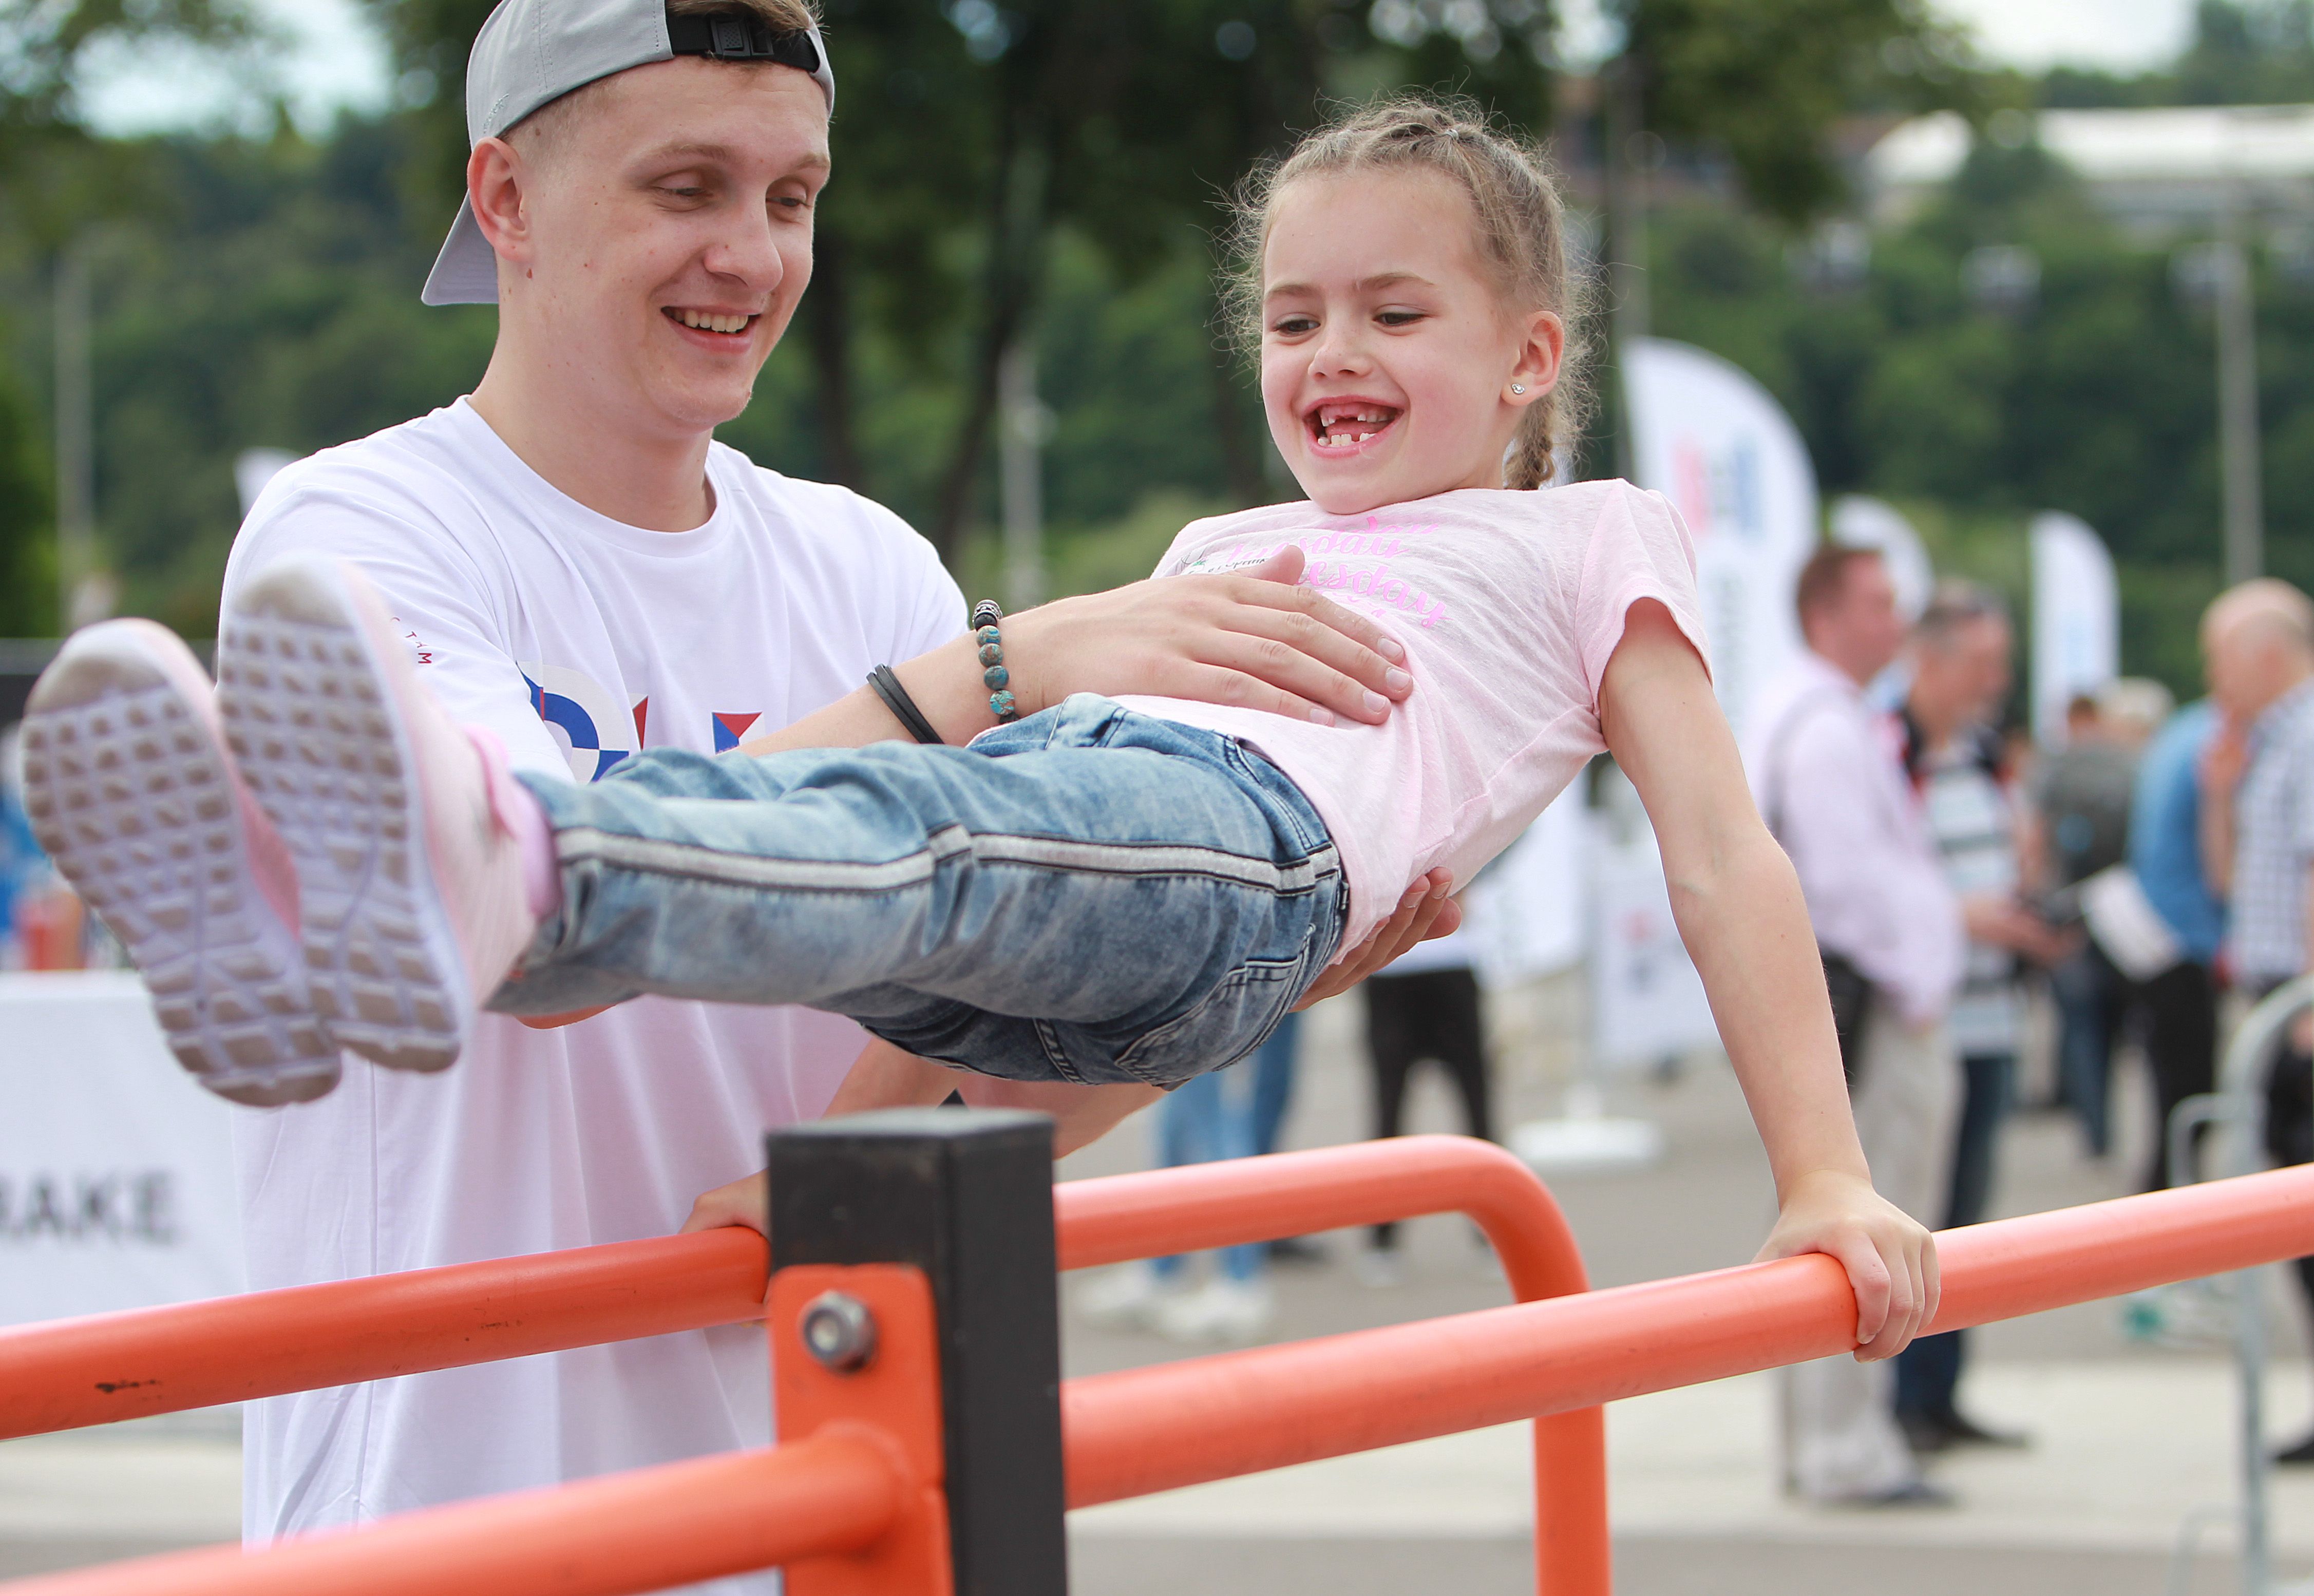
point(1223, 1114)
point(2082, 794)
point(2180, 1003)
point(22, 866)
point(1426, 1007)
point(1827, 770)
point(1957, 759)
point(2257, 771)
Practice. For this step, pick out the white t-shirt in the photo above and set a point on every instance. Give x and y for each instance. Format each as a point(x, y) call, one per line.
point(1509, 605)
point(577, 640)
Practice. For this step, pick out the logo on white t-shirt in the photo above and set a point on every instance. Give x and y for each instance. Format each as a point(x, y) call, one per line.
point(594, 731)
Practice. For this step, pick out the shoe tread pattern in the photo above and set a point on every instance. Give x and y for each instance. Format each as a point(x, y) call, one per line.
point(304, 715)
point(128, 793)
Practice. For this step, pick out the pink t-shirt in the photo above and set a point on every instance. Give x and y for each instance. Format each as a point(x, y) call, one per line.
point(1509, 605)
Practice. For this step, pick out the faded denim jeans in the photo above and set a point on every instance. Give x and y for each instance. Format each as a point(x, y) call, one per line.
point(1088, 895)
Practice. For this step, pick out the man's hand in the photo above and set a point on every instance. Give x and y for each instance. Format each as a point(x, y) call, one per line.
point(1254, 638)
point(2004, 922)
point(745, 1202)
point(1424, 913)
point(1891, 1260)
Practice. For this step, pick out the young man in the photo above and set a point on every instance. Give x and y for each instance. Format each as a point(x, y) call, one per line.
point(1827, 769)
point(582, 572)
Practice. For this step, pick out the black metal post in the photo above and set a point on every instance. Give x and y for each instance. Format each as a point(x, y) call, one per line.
point(966, 1196)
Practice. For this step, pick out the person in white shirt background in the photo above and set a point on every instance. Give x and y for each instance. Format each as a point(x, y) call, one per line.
point(580, 569)
point(1826, 769)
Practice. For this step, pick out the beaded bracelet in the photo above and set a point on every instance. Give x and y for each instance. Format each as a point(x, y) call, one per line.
point(986, 616)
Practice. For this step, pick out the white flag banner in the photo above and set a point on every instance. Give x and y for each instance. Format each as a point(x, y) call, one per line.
point(116, 1171)
point(1528, 911)
point(2076, 619)
point(253, 469)
point(1647, 1001)
point(1858, 522)
point(1719, 447)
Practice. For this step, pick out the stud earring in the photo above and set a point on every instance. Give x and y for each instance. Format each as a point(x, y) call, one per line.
point(1518, 387)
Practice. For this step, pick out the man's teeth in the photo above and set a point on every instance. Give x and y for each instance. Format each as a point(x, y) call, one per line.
point(707, 323)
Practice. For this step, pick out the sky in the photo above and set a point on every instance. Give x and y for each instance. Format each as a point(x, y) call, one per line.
point(333, 57)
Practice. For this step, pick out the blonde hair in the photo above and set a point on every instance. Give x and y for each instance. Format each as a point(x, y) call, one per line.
point(1522, 237)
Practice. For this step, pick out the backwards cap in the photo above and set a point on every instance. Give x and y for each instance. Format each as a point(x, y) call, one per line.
point(531, 51)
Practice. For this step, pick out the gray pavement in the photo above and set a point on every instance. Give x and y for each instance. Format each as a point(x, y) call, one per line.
point(2131, 1445)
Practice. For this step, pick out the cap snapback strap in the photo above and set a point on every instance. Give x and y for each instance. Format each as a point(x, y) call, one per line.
point(734, 36)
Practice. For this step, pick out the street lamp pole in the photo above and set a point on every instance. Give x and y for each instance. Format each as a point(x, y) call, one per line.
point(74, 433)
point(2237, 437)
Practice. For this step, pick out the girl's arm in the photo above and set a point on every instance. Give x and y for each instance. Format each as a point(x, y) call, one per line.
point(1740, 913)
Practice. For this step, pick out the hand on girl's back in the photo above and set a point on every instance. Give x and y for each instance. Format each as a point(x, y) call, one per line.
point(1256, 639)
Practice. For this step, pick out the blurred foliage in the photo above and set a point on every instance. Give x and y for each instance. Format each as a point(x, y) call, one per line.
point(2258, 53)
point(1051, 168)
point(2098, 395)
point(1762, 81)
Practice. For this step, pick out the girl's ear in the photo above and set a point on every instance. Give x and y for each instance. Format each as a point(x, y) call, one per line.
point(1543, 341)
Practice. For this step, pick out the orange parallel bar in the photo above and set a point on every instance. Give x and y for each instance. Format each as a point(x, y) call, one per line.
point(681, 1522)
point(1221, 1204)
point(1197, 1206)
point(1146, 1430)
point(65, 1374)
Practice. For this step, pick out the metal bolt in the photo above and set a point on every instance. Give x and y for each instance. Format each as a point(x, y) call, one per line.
point(839, 1331)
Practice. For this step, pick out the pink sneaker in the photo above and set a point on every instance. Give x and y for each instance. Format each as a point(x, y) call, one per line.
point(410, 884)
point(130, 788)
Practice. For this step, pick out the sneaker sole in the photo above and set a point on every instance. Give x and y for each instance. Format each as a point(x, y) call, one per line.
point(129, 790)
point(308, 714)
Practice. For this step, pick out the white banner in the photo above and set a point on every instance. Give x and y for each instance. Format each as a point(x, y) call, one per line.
point(116, 1171)
point(1528, 911)
point(1646, 1000)
point(2076, 619)
point(1714, 441)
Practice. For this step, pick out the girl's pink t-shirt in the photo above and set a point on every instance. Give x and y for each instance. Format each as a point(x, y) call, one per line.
point(1509, 605)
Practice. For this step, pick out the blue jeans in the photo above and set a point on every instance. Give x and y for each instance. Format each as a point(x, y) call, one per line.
point(1088, 895)
point(2092, 999)
point(1222, 1114)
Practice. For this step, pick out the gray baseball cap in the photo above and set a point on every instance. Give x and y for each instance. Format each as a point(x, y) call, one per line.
point(531, 51)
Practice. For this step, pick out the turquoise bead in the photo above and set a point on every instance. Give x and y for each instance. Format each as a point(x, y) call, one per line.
point(996, 676)
point(989, 634)
point(990, 654)
point(1002, 703)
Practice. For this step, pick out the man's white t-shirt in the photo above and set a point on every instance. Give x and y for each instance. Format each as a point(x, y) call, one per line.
point(578, 640)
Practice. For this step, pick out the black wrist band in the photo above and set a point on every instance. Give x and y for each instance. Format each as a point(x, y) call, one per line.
point(904, 708)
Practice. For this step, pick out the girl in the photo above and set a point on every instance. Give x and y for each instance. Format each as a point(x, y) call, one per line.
point(1120, 892)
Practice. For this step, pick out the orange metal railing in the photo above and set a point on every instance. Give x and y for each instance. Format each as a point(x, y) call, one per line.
point(1152, 1429)
point(66, 1374)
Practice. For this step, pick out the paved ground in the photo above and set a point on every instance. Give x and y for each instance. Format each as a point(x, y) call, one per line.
point(2131, 1445)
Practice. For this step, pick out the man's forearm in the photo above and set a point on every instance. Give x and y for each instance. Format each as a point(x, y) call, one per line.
point(2218, 846)
point(945, 685)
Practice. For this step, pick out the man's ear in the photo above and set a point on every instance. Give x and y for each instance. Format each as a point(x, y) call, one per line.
point(497, 185)
point(1536, 372)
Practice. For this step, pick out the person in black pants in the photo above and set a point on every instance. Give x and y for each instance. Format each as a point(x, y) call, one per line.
point(1428, 1014)
point(2180, 1006)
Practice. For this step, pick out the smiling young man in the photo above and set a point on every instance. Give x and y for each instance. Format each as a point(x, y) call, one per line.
point(581, 572)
